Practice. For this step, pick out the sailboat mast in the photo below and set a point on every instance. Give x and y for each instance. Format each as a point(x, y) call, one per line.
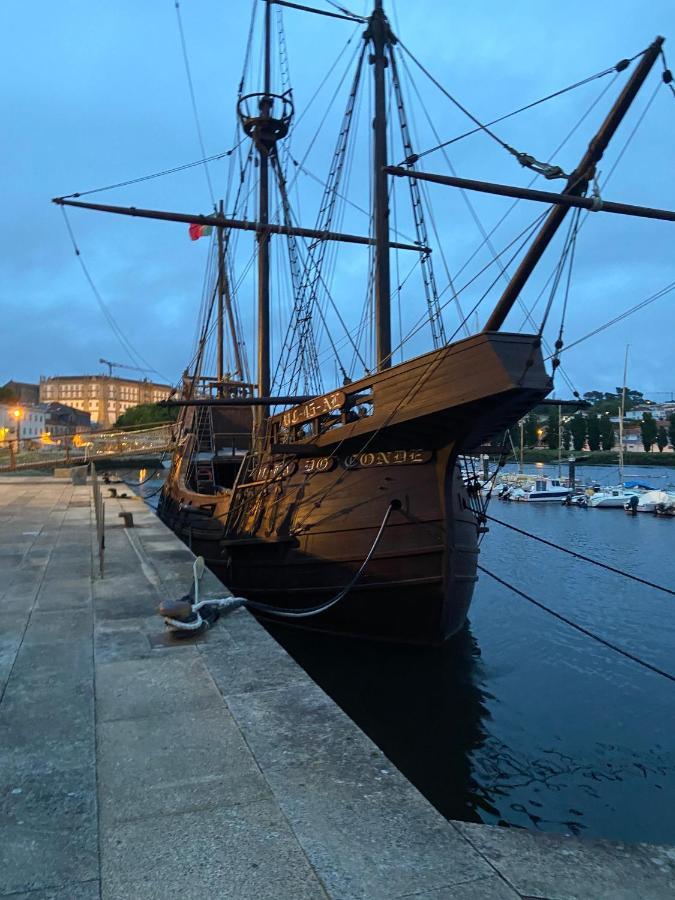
point(265, 106)
point(380, 36)
point(622, 412)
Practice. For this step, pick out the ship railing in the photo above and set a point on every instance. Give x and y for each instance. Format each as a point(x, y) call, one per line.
point(322, 414)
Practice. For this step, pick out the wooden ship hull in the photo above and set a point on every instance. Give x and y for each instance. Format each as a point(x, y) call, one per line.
point(304, 512)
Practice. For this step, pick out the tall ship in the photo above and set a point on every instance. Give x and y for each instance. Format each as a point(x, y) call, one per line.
point(346, 498)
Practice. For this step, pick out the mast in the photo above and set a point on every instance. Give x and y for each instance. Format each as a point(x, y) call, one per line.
point(560, 436)
point(577, 183)
point(265, 106)
point(380, 36)
point(227, 297)
point(621, 413)
point(221, 292)
point(264, 129)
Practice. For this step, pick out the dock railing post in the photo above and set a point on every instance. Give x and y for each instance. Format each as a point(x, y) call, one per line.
point(99, 512)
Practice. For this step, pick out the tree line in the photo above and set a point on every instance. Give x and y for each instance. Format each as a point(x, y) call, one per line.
point(598, 430)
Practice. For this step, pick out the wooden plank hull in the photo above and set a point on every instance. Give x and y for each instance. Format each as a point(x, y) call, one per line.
point(294, 534)
point(416, 588)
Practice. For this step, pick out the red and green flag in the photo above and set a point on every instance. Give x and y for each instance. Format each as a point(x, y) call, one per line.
point(196, 231)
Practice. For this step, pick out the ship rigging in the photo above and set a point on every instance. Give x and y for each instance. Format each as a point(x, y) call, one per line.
point(285, 486)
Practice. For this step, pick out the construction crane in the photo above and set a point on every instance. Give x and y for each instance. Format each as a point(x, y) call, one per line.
point(115, 365)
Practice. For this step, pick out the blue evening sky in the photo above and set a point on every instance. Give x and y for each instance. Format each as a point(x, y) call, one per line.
point(95, 93)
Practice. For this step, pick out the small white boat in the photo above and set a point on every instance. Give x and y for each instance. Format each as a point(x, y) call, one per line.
point(616, 497)
point(542, 490)
point(650, 501)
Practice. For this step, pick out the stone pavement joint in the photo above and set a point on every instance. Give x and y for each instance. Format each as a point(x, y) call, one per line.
point(139, 767)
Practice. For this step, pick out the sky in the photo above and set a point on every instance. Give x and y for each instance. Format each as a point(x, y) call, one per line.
point(95, 93)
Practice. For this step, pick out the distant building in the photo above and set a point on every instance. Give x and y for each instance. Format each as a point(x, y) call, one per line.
point(62, 420)
point(104, 397)
point(31, 425)
point(23, 391)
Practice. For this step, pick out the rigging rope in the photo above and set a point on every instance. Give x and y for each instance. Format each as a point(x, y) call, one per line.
point(193, 100)
point(619, 67)
point(568, 249)
point(667, 74)
point(486, 236)
point(125, 343)
point(559, 339)
point(428, 276)
point(657, 296)
point(171, 171)
point(525, 159)
point(300, 327)
point(579, 628)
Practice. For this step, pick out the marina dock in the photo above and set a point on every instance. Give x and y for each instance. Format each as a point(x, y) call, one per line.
point(136, 766)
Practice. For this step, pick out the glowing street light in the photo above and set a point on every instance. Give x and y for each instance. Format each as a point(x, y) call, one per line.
point(18, 413)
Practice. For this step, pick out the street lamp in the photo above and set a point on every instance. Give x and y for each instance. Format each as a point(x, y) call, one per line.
point(18, 413)
point(540, 434)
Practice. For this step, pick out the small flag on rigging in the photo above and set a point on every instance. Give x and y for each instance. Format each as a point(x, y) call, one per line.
point(196, 231)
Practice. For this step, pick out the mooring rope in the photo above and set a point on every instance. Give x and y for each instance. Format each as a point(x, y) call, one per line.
point(579, 628)
point(231, 603)
point(588, 559)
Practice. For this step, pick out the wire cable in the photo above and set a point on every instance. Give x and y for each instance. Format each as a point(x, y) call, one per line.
point(588, 559)
point(171, 171)
point(580, 628)
point(619, 67)
point(125, 343)
point(624, 315)
point(193, 100)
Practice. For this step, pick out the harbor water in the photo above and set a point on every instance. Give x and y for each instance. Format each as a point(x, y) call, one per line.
point(521, 720)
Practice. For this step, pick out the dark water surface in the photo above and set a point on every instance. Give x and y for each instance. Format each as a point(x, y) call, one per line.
point(523, 721)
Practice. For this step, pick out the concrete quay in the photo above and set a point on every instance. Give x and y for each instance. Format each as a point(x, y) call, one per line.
point(133, 767)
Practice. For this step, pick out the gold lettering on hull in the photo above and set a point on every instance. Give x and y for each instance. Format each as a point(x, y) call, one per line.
point(387, 458)
point(371, 459)
point(313, 409)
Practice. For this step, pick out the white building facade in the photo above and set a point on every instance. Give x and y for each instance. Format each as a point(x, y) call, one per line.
point(31, 423)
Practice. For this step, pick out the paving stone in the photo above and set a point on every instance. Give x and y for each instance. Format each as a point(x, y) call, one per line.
point(51, 626)
point(64, 594)
point(88, 890)
point(285, 798)
point(366, 831)
point(242, 628)
point(232, 671)
point(491, 888)
point(170, 684)
point(118, 645)
point(245, 852)
point(562, 868)
point(46, 726)
point(193, 759)
point(49, 833)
